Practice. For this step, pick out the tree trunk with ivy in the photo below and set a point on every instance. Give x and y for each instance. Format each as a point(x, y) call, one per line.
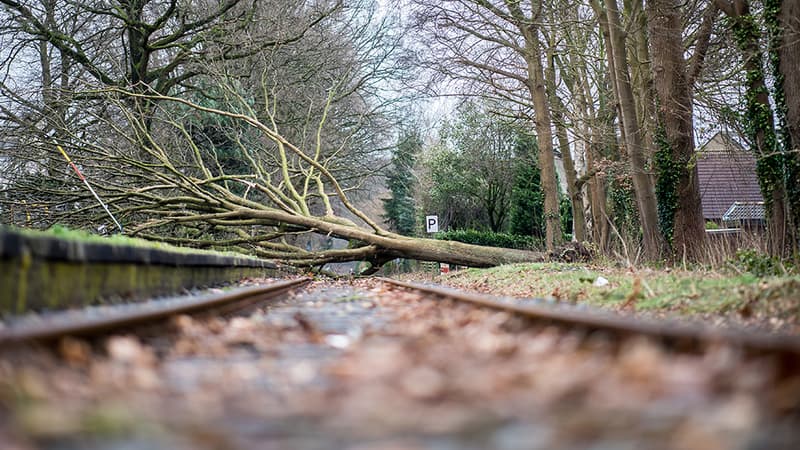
point(680, 209)
point(760, 124)
point(783, 19)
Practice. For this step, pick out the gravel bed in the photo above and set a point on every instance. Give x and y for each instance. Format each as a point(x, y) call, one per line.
point(358, 366)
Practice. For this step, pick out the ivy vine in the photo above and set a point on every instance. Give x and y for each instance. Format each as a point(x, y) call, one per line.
point(624, 213)
point(759, 123)
point(791, 162)
point(669, 174)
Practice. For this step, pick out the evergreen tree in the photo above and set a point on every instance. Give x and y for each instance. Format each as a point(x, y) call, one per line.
point(565, 210)
point(527, 197)
point(399, 207)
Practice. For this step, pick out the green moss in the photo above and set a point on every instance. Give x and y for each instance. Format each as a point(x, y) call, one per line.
point(25, 262)
point(35, 285)
point(67, 234)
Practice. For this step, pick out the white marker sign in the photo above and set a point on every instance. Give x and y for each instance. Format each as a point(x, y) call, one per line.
point(432, 224)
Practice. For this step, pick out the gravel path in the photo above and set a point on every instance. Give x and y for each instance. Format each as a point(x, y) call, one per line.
point(355, 366)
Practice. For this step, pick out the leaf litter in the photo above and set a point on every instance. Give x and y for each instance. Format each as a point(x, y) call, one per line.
point(392, 370)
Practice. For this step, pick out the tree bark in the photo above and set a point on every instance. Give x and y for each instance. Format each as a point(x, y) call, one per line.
point(574, 191)
point(642, 182)
point(602, 133)
point(789, 54)
point(759, 114)
point(544, 132)
point(387, 246)
point(545, 139)
point(641, 75)
point(676, 119)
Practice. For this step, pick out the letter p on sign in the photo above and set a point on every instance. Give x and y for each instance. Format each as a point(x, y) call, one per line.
point(432, 224)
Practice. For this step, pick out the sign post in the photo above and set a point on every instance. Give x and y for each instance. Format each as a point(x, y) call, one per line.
point(432, 224)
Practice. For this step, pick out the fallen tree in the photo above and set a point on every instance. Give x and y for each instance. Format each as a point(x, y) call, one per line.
point(168, 183)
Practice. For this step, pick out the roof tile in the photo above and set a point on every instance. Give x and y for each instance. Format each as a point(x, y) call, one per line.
point(726, 177)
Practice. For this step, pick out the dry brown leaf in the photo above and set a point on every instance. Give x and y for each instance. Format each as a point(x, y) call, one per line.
point(423, 383)
point(75, 352)
point(128, 350)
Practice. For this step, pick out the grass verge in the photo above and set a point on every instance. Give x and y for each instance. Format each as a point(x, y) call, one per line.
point(772, 302)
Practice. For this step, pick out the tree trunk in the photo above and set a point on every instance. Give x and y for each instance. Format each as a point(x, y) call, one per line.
point(642, 182)
point(676, 119)
point(788, 56)
point(574, 191)
point(53, 94)
point(759, 114)
point(600, 134)
point(641, 75)
point(595, 182)
point(386, 246)
point(597, 200)
point(544, 134)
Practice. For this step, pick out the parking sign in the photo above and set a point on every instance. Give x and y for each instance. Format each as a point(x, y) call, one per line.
point(432, 224)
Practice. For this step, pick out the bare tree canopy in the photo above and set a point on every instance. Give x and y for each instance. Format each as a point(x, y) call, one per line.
point(252, 125)
point(157, 43)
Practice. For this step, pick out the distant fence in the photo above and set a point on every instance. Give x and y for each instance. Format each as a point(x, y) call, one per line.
point(729, 240)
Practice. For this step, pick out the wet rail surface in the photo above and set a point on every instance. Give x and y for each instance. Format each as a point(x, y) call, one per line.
point(94, 321)
point(361, 366)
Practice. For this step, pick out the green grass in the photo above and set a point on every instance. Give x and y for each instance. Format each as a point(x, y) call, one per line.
point(659, 291)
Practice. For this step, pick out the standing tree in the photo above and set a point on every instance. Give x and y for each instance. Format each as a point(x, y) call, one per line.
point(54, 52)
point(679, 192)
point(470, 169)
point(559, 115)
point(155, 45)
point(783, 26)
point(788, 53)
point(362, 61)
point(399, 209)
point(633, 136)
point(759, 121)
point(526, 215)
point(497, 45)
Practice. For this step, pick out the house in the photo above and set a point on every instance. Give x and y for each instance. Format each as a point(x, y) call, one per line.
point(729, 190)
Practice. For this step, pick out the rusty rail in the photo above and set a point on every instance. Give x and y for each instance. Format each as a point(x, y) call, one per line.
point(143, 314)
point(679, 335)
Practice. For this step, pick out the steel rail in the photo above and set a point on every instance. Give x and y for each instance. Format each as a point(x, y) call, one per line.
point(234, 299)
point(681, 334)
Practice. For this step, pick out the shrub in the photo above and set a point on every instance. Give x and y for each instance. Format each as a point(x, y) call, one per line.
point(759, 264)
point(491, 239)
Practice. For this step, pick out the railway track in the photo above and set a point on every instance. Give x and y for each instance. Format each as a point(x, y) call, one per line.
point(674, 335)
point(57, 325)
point(381, 364)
